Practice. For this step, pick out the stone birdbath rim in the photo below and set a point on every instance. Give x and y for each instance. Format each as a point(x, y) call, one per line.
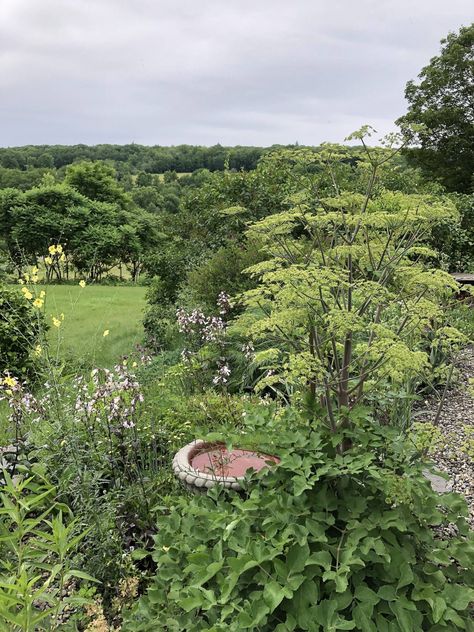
point(204, 464)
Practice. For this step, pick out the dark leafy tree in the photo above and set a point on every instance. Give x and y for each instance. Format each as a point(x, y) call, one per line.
point(97, 181)
point(442, 102)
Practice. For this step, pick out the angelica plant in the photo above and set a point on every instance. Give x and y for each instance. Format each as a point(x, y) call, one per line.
point(347, 291)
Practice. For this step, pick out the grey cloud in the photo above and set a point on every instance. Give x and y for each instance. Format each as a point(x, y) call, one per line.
point(176, 71)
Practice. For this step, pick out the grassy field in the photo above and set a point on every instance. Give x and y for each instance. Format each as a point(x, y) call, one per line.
point(88, 313)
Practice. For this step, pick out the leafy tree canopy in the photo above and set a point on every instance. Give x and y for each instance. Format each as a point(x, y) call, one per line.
point(443, 103)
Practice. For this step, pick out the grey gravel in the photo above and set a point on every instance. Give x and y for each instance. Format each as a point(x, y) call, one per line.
point(456, 415)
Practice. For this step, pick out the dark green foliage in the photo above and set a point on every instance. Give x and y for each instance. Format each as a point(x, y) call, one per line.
point(322, 542)
point(20, 328)
point(21, 180)
point(97, 181)
point(181, 158)
point(148, 197)
point(95, 234)
point(222, 272)
point(160, 326)
point(169, 264)
point(443, 103)
point(455, 242)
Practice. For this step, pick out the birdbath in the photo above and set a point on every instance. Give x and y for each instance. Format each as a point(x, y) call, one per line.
point(201, 465)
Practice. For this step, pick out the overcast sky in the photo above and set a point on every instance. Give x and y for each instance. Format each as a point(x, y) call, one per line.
point(207, 71)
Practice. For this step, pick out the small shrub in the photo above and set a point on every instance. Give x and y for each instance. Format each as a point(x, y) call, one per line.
point(222, 272)
point(160, 326)
point(20, 329)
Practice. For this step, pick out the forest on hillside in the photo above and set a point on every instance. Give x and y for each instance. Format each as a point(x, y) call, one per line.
point(25, 166)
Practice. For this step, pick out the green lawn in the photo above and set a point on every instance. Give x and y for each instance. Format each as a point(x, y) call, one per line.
point(88, 312)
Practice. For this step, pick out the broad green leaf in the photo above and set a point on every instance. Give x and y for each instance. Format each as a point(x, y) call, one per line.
point(388, 593)
point(273, 594)
point(297, 558)
point(362, 614)
point(404, 617)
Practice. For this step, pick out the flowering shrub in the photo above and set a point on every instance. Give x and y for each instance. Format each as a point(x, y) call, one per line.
point(110, 396)
point(201, 333)
point(21, 326)
point(91, 435)
point(20, 401)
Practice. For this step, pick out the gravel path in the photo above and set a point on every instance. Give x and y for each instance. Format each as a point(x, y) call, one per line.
point(457, 413)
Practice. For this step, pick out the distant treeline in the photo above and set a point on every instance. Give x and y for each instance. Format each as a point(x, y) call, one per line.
point(133, 158)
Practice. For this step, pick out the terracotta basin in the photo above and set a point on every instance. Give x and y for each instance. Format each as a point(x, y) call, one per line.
point(201, 465)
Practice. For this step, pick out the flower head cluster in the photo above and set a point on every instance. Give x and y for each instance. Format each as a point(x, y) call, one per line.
point(202, 330)
point(20, 401)
point(56, 254)
point(248, 350)
point(144, 354)
point(189, 322)
point(113, 394)
point(57, 320)
point(223, 303)
point(31, 277)
point(205, 328)
point(186, 355)
point(38, 299)
point(223, 373)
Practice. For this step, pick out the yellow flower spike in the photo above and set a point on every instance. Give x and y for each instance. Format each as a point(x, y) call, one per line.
point(38, 302)
point(59, 249)
point(106, 333)
point(52, 250)
point(34, 270)
point(34, 279)
point(82, 283)
point(28, 295)
point(24, 290)
point(135, 364)
point(42, 294)
point(26, 277)
point(61, 316)
point(62, 257)
point(20, 281)
point(38, 351)
point(48, 261)
point(56, 322)
point(9, 381)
